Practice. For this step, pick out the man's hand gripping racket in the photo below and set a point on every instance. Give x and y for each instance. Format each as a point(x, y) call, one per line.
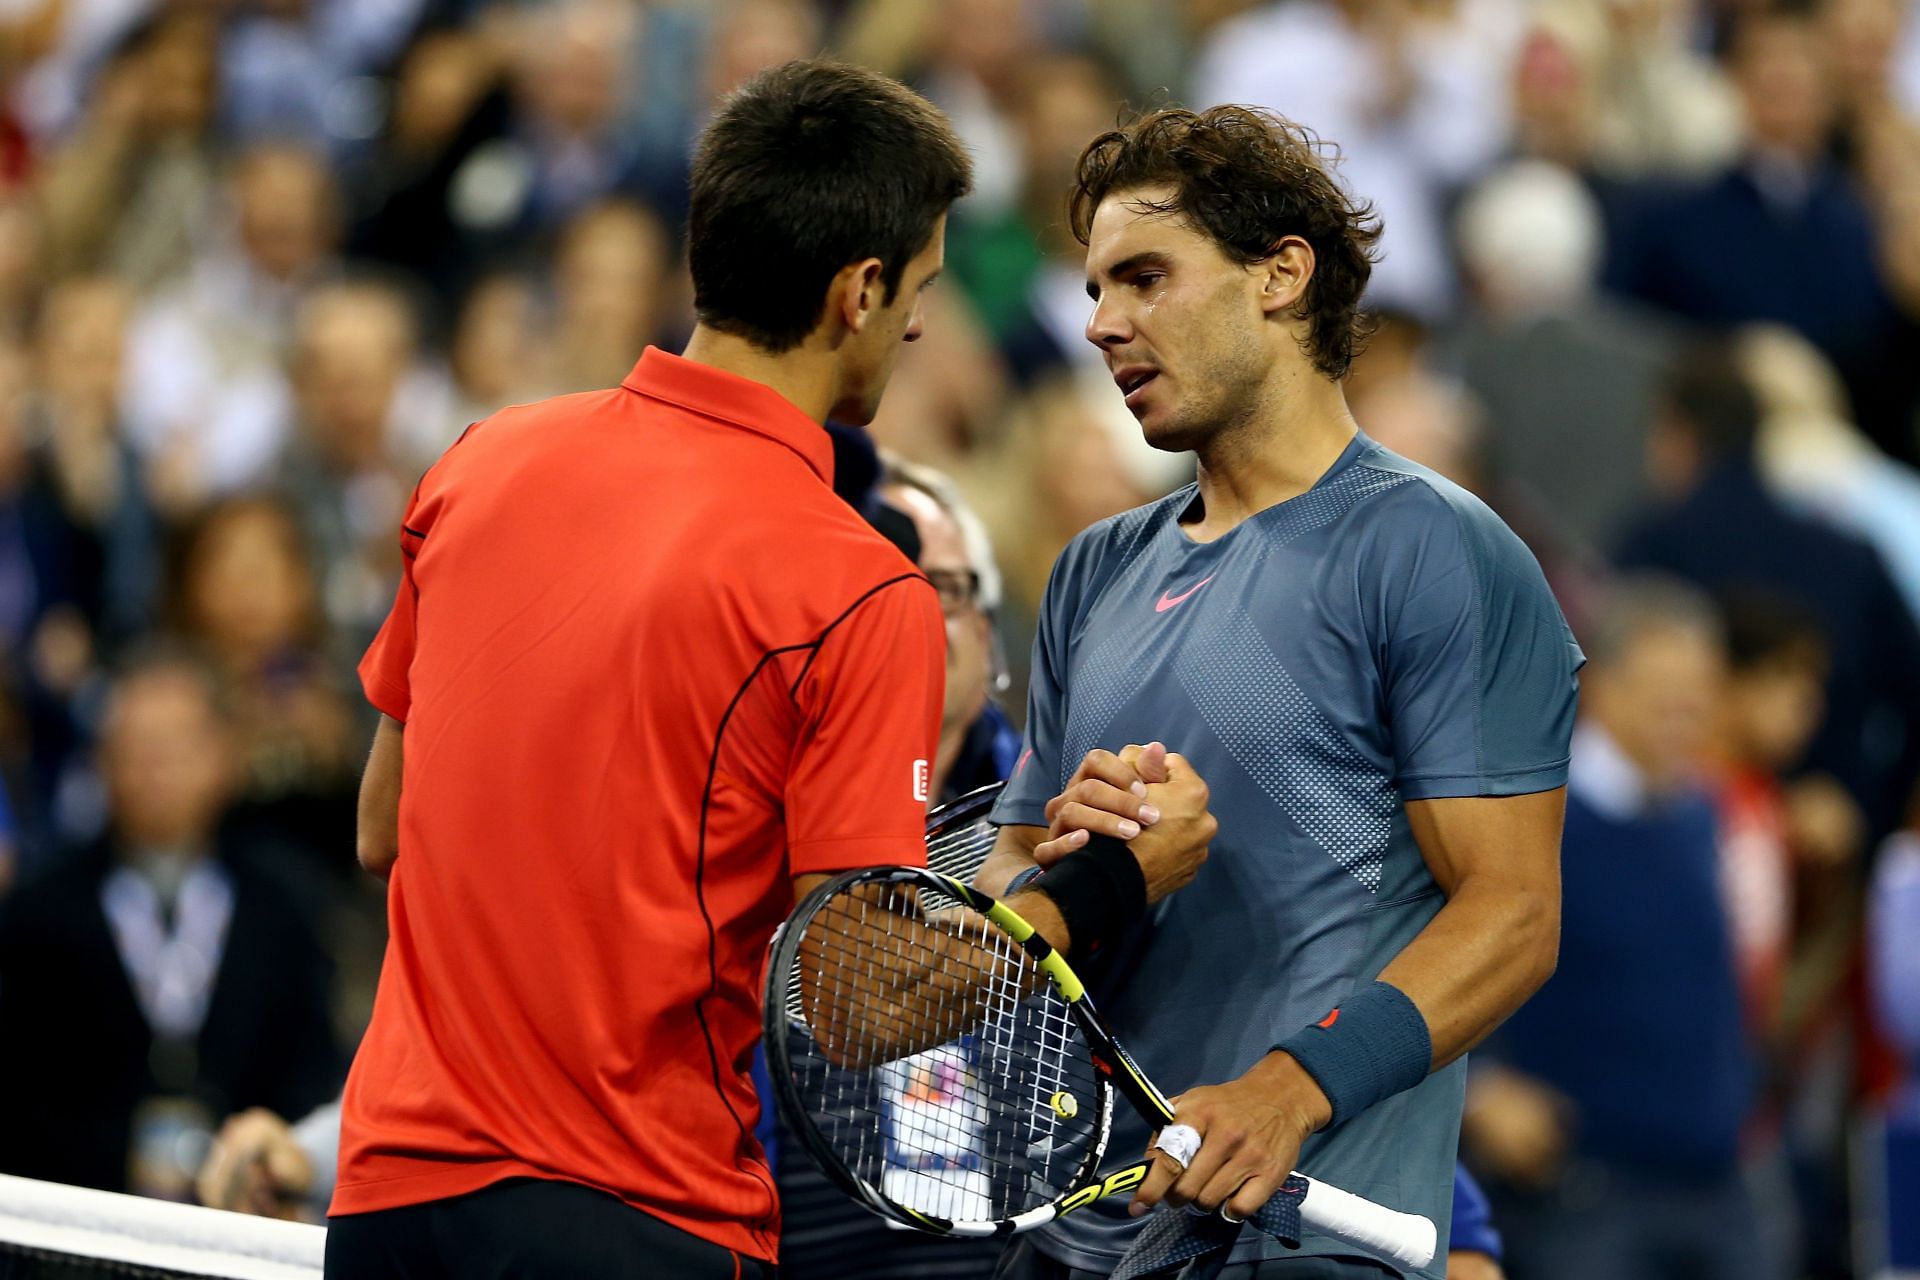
point(946, 1068)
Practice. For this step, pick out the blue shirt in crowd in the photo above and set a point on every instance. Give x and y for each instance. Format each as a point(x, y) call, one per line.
point(1640, 1026)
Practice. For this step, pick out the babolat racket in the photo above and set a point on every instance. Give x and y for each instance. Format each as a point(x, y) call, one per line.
point(946, 1068)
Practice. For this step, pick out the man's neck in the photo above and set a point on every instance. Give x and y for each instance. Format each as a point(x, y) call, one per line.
point(1278, 453)
point(804, 376)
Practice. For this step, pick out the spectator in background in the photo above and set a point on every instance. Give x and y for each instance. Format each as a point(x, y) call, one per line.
point(1772, 702)
point(1785, 234)
point(346, 469)
point(299, 68)
point(1566, 375)
point(437, 196)
point(75, 417)
point(610, 273)
point(1813, 455)
point(1415, 91)
point(130, 190)
point(203, 985)
point(496, 357)
point(1720, 527)
point(206, 390)
point(978, 744)
point(1613, 89)
point(1611, 1123)
point(244, 596)
point(568, 144)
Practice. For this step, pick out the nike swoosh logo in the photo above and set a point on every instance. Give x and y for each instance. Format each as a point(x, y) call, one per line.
point(1166, 602)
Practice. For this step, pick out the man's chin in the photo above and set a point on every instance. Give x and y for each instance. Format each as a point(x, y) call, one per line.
point(1169, 436)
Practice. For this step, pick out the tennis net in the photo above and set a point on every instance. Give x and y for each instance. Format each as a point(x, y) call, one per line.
point(52, 1232)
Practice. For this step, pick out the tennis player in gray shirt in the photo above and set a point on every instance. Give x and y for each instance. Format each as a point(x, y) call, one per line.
point(1363, 663)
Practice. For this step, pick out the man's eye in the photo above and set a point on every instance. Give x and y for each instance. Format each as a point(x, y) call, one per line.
point(1146, 278)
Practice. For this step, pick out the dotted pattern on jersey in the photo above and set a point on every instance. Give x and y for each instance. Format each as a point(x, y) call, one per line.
point(1318, 508)
point(1339, 798)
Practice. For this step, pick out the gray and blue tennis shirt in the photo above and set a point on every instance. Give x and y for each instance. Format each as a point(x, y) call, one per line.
point(1383, 637)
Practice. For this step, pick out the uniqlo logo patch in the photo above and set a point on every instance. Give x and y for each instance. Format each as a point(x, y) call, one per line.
point(922, 778)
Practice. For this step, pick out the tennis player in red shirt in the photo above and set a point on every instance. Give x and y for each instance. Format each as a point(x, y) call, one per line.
point(645, 678)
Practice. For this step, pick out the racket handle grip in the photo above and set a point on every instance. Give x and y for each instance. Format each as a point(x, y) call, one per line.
point(1406, 1238)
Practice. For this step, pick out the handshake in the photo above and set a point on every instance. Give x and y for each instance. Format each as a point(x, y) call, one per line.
point(1148, 799)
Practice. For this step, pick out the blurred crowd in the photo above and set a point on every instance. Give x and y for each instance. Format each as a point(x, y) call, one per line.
point(1650, 287)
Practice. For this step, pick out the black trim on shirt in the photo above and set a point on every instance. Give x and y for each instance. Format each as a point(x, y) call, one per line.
point(700, 861)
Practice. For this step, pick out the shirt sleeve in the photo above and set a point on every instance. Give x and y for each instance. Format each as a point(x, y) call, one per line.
point(1480, 666)
point(384, 668)
point(870, 700)
point(1037, 774)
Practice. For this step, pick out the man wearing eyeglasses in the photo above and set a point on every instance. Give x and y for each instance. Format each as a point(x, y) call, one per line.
point(978, 744)
point(825, 1235)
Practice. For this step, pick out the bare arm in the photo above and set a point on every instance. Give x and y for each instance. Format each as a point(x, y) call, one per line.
point(1497, 939)
point(379, 814)
point(1497, 858)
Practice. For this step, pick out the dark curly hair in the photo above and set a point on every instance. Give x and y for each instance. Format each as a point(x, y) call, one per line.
point(1247, 177)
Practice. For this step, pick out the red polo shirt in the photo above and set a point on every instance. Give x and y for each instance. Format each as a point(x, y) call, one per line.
point(651, 668)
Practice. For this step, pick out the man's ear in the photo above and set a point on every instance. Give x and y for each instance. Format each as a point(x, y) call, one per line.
point(1288, 269)
point(860, 292)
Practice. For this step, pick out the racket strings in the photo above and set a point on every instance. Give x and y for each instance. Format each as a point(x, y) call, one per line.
point(959, 850)
point(932, 1058)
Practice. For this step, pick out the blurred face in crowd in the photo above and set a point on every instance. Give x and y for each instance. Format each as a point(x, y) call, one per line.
point(1774, 706)
point(867, 357)
point(986, 39)
point(249, 592)
point(354, 345)
point(944, 559)
point(492, 342)
point(1658, 698)
point(285, 203)
point(1780, 70)
point(166, 758)
point(610, 273)
point(1066, 101)
point(81, 341)
point(1186, 331)
point(1863, 36)
point(178, 75)
point(570, 71)
point(756, 35)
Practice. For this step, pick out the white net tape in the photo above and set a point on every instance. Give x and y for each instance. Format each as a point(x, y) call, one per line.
point(80, 1223)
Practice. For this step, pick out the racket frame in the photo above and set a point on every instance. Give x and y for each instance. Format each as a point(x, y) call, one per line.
point(1114, 1068)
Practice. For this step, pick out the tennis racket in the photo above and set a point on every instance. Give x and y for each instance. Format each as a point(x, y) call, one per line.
point(946, 1068)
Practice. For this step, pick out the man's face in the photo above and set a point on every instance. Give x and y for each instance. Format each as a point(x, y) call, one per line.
point(166, 760)
point(872, 352)
point(1658, 700)
point(1179, 323)
point(944, 559)
point(1780, 71)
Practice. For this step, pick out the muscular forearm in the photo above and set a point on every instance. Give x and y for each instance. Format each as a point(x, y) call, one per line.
point(1476, 962)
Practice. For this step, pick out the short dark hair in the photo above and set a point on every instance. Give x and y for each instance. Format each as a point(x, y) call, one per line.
point(1247, 177)
point(808, 167)
point(1706, 392)
point(1767, 628)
